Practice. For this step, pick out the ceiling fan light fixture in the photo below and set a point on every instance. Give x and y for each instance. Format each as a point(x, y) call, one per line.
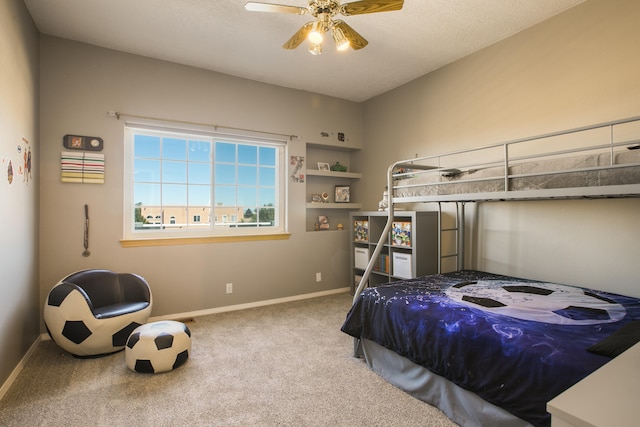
point(315, 35)
point(324, 12)
point(315, 49)
point(342, 43)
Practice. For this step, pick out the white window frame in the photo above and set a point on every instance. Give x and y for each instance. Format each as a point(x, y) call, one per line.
point(251, 138)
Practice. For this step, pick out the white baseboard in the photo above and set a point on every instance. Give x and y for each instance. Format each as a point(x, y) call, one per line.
point(248, 305)
point(16, 371)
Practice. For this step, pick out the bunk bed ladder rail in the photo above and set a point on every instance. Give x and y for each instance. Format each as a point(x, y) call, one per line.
point(458, 229)
point(357, 349)
point(458, 245)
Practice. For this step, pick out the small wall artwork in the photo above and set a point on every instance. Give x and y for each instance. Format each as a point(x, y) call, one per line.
point(83, 168)
point(296, 169)
point(17, 164)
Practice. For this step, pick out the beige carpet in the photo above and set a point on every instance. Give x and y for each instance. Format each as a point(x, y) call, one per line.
point(281, 365)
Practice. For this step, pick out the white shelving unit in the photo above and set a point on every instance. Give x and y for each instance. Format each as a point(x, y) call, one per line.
point(411, 249)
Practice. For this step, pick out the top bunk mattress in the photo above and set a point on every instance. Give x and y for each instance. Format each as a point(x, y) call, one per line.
point(600, 161)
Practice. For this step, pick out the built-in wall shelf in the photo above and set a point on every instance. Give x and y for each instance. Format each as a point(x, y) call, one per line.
point(321, 183)
point(332, 174)
point(334, 206)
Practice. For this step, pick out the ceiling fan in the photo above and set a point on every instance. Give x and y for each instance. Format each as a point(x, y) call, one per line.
point(324, 12)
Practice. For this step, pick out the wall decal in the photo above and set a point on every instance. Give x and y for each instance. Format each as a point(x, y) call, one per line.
point(296, 165)
point(18, 164)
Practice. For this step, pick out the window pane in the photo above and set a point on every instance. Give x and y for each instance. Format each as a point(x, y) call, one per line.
point(225, 195)
point(226, 215)
point(199, 173)
point(175, 195)
point(247, 175)
point(250, 216)
point(225, 174)
point(199, 195)
point(200, 151)
point(174, 149)
point(146, 170)
point(225, 152)
point(267, 197)
point(146, 194)
point(174, 172)
point(199, 216)
point(266, 216)
point(267, 177)
point(247, 196)
point(146, 146)
point(248, 154)
point(267, 156)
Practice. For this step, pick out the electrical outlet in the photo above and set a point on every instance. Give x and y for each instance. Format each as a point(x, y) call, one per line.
point(318, 277)
point(229, 288)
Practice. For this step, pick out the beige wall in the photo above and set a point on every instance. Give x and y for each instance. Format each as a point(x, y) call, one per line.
point(578, 68)
point(81, 83)
point(19, 301)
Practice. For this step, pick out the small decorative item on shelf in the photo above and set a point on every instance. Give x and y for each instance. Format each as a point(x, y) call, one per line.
point(383, 205)
point(325, 197)
point(401, 233)
point(340, 226)
point(338, 167)
point(316, 198)
point(361, 230)
point(323, 166)
point(323, 220)
point(342, 194)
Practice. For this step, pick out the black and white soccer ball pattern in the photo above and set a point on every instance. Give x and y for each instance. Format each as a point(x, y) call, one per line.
point(158, 347)
point(73, 326)
point(538, 302)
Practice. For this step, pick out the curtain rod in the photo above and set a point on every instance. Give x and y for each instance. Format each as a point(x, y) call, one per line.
point(117, 115)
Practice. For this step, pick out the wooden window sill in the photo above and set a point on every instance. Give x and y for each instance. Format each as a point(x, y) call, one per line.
point(135, 243)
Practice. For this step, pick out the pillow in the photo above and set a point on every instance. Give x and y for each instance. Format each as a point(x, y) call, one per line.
point(621, 340)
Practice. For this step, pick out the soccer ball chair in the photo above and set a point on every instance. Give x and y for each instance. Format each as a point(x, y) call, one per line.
point(91, 313)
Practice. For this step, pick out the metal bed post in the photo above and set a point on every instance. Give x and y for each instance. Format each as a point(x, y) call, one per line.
point(460, 244)
point(458, 228)
point(383, 236)
point(439, 237)
point(357, 349)
point(506, 167)
point(611, 152)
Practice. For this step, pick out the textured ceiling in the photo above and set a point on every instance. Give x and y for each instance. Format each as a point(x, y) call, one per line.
point(220, 35)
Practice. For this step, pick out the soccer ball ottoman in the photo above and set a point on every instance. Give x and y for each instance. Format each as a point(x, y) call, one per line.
point(158, 347)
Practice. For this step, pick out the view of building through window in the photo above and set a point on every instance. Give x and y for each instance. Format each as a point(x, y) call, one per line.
point(183, 181)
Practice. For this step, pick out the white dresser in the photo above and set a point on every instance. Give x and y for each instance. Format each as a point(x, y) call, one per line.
point(608, 397)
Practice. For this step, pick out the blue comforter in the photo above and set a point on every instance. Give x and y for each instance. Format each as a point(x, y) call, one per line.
point(516, 343)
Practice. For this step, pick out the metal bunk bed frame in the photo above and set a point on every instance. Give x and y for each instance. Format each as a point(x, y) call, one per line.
point(417, 166)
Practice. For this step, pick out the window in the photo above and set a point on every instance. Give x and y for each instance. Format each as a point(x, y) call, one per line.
point(178, 183)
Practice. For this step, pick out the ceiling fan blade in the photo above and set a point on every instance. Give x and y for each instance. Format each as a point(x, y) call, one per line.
point(277, 8)
point(370, 6)
point(356, 40)
point(298, 37)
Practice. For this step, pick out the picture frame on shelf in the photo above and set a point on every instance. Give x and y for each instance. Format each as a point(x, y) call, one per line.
point(324, 166)
point(323, 222)
point(316, 198)
point(342, 194)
